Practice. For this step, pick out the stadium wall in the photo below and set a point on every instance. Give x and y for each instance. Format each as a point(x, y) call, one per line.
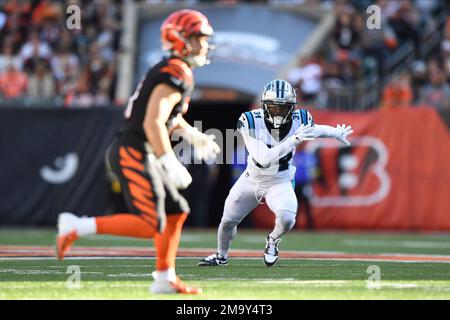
point(52, 160)
point(396, 174)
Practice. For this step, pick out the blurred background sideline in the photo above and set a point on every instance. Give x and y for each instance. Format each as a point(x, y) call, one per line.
point(63, 92)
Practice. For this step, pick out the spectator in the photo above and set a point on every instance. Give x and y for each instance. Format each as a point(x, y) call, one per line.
point(106, 40)
point(307, 78)
point(31, 30)
point(377, 43)
point(79, 95)
point(40, 83)
point(405, 23)
point(7, 58)
point(81, 98)
point(346, 35)
point(63, 62)
point(13, 83)
point(418, 78)
point(46, 10)
point(102, 99)
point(445, 51)
point(97, 68)
point(34, 49)
point(437, 93)
point(398, 92)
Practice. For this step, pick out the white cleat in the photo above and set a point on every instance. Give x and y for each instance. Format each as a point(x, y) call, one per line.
point(271, 251)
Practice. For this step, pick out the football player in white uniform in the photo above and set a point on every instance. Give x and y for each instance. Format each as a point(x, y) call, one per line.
point(271, 135)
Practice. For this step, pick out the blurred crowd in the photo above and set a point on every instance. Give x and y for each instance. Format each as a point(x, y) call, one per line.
point(42, 61)
point(357, 51)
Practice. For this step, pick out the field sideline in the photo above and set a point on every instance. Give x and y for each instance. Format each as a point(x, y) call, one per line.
point(320, 265)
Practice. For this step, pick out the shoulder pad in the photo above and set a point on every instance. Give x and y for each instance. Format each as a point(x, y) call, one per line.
point(306, 117)
point(179, 71)
point(246, 123)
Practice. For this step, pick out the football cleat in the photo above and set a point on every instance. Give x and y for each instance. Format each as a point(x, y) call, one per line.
point(271, 251)
point(67, 233)
point(216, 259)
point(172, 287)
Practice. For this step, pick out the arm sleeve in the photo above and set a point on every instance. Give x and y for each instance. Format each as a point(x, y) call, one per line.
point(264, 155)
point(243, 125)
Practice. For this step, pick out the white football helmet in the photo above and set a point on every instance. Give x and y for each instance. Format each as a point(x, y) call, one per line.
point(278, 101)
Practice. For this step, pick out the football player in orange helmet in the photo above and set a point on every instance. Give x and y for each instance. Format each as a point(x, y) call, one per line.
point(142, 158)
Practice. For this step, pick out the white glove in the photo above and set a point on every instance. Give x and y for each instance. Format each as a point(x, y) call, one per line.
point(204, 145)
point(342, 133)
point(303, 133)
point(176, 172)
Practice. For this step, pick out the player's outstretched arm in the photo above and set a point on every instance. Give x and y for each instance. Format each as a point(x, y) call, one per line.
point(264, 155)
point(340, 132)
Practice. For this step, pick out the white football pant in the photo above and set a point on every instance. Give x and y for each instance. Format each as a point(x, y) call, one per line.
point(244, 196)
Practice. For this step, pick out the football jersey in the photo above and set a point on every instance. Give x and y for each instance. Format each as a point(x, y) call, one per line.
point(253, 124)
point(172, 71)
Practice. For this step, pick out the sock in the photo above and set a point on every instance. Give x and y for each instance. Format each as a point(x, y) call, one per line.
point(127, 225)
point(86, 226)
point(166, 275)
point(226, 233)
point(166, 243)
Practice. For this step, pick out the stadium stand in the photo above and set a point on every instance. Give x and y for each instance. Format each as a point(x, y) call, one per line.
point(52, 65)
point(357, 69)
point(361, 68)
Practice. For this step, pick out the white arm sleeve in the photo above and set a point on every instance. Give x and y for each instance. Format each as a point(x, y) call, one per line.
point(264, 155)
point(324, 131)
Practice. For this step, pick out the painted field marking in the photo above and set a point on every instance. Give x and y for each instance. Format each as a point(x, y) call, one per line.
point(20, 252)
point(397, 243)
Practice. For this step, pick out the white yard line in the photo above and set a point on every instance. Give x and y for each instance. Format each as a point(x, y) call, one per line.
point(397, 243)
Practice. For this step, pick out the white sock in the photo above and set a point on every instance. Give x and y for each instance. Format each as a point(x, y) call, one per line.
point(225, 234)
point(166, 275)
point(86, 226)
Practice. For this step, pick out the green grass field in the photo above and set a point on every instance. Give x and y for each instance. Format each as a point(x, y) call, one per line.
point(243, 278)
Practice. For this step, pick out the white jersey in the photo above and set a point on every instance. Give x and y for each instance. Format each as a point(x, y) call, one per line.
point(252, 123)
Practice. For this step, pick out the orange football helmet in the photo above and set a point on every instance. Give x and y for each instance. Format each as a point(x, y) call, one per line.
point(178, 27)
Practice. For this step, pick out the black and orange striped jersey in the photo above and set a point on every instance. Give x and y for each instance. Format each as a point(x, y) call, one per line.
point(172, 71)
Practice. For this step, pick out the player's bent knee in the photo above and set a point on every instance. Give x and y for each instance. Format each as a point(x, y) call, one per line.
point(287, 219)
point(229, 222)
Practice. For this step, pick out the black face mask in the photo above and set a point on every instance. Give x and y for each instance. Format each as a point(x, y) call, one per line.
point(277, 110)
point(278, 114)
